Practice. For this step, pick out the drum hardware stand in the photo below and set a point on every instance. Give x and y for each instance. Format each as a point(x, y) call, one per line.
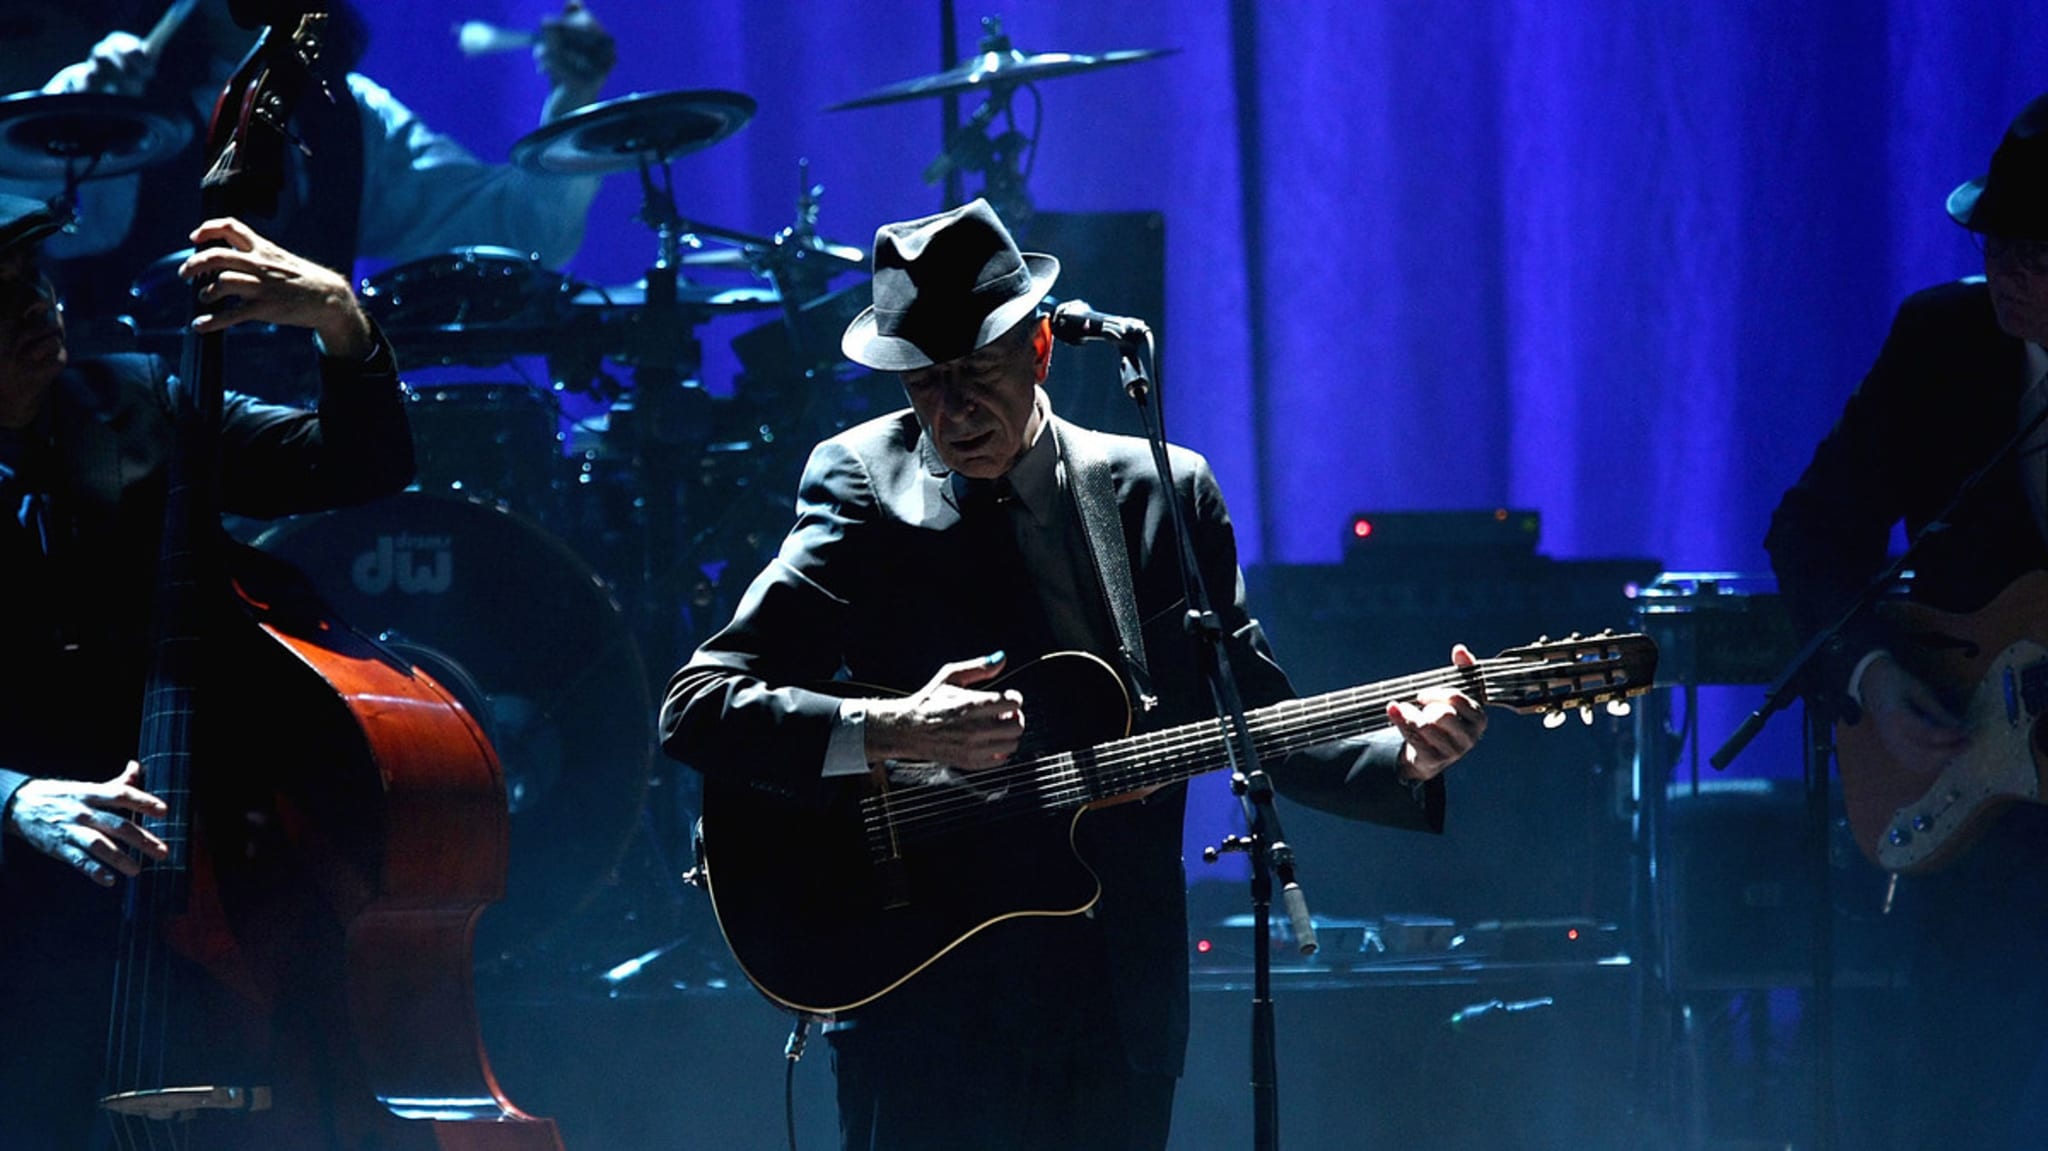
point(798, 278)
point(665, 404)
point(970, 148)
point(949, 104)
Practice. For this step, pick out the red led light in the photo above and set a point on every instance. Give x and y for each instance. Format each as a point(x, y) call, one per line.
point(1202, 945)
point(1361, 527)
point(1572, 934)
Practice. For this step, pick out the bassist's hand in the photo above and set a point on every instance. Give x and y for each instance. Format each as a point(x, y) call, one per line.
point(247, 278)
point(1912, 722)
point(949, 722)
point(89, 825)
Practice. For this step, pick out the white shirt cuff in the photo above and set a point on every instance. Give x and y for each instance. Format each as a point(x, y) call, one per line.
point(847, 753)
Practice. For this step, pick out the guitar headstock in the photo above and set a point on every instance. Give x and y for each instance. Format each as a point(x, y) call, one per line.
point(1576, 673)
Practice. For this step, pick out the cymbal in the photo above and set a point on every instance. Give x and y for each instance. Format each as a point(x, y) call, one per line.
point(699, 298)
point(757, 252)
point(998, 70)
point(95, 134)
point(617, 135)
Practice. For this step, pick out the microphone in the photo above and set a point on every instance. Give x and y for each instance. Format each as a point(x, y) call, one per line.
point(478, 38)
point(1077, 323)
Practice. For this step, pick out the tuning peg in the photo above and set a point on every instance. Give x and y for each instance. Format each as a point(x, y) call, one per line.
point(1553, 719)
point(1618, 707)
point(1586, 716)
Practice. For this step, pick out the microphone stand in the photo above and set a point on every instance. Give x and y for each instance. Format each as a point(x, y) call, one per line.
point(1266, 844)
point(1818, 746)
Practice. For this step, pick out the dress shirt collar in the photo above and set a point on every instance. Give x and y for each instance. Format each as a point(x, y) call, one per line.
point(1036, 475)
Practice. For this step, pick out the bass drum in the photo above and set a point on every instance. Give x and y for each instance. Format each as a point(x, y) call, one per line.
point(535, 646)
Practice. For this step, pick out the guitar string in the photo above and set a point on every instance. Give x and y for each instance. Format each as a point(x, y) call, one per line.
point(1327, 717)
point(1338, 709)
point(1063, 786)
point(1053, 781)
point(1126, 750)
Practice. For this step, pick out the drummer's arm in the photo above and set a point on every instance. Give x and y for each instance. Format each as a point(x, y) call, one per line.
point(118, 63)
point(423, 193)
point(576, 54)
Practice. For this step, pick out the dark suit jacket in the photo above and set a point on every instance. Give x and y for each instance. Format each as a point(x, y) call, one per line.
point(1939, 402)
point(876, 581)
point(75, 633)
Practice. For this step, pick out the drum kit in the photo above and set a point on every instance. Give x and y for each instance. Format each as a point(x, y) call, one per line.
point(560, 529)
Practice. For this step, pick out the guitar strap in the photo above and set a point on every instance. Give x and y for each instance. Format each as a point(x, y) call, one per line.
point(1102, 528)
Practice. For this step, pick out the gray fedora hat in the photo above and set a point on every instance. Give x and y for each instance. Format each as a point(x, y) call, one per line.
point(945, 285)
point(2012, 199)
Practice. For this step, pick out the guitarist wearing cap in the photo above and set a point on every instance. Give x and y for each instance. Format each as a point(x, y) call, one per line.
point(1936, 701)
point(944, 546)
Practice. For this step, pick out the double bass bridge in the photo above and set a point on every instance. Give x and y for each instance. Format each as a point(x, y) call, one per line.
point(174, 1104)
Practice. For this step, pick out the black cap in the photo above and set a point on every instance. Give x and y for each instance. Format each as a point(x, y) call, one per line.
point(24, 221)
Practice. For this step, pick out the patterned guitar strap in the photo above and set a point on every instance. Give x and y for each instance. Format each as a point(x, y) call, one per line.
point(1095, 496)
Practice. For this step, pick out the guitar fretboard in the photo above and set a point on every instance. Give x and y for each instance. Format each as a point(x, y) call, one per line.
point(930, 801)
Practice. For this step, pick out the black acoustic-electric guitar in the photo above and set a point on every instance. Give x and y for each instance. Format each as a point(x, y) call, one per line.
point(827, 909)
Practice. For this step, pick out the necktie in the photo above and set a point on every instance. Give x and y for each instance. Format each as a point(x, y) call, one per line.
point(1003, 578)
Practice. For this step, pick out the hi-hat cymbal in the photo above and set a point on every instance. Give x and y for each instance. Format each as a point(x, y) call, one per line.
point(618, 134)
point(88, 134)
point(996, 70)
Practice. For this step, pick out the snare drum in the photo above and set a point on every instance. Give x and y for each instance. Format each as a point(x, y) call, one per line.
point(534, 645)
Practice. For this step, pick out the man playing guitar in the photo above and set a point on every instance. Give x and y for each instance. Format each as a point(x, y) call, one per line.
point(1936, 700)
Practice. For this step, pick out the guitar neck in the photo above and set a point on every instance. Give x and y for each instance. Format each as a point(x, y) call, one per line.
point(1174, 754)
point(1541, 678)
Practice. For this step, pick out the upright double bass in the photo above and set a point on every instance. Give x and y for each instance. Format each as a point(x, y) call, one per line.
point(297, 973)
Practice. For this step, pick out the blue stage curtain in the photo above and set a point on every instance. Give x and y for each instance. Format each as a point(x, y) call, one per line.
point(1619, 262)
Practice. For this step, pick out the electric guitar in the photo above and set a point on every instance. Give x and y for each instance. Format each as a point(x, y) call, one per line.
point(828, 909)
point(1991, 667)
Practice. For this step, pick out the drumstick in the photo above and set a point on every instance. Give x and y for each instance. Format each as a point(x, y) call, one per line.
point(167, 26)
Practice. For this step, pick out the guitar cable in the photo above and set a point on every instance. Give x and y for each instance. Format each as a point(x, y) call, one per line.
point(792, 1053)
